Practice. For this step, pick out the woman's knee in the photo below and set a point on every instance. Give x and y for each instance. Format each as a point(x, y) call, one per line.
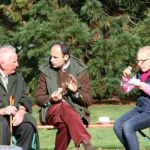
point(117, 125)
point(128, 128)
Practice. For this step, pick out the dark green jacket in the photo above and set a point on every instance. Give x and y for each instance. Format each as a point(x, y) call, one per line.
point(16, 88)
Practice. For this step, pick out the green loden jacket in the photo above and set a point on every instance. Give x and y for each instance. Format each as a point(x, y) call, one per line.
point(49, 82)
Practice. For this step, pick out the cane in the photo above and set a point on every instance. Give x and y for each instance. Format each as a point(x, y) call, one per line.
point(11, 101)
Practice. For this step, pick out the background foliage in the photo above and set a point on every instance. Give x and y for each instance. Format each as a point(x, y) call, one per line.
point(104, 34)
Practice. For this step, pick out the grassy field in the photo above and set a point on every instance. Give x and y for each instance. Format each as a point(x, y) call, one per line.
point(102, 139)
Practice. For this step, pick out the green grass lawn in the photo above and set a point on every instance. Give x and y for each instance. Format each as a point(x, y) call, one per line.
point(102, 138)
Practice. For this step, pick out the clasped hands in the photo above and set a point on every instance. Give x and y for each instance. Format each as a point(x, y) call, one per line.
point(18, 115)
point(127, 73)
point(71, 84)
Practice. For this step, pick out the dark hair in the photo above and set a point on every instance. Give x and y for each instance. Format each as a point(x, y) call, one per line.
point(64, 47)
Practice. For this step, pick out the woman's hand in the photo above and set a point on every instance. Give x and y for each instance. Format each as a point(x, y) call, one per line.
point(127, 72)
point(141, 85)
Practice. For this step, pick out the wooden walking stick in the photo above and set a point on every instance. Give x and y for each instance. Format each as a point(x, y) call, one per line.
point(12, 102)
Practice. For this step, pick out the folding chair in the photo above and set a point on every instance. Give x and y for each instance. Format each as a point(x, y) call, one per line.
point(144, 135)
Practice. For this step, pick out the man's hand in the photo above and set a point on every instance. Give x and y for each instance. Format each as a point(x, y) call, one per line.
point(72, 83)
point(56, 96)
point(18, 118)
point(9, 110)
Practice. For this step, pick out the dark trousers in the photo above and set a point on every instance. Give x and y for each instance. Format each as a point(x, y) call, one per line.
point(127, 125)
point(23, 134)
point(69, 124)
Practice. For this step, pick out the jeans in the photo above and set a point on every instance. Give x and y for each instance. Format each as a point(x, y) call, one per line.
point(127, 125)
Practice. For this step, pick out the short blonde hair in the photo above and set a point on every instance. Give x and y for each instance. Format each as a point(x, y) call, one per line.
point(145, 49)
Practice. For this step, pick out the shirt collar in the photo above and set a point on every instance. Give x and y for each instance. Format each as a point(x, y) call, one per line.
point(65, 66)
point(2, 74)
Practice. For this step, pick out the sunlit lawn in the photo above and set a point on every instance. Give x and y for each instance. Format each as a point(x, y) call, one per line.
point(102, 138)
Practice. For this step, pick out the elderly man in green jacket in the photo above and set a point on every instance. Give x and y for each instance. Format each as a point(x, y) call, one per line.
point(12, 85)
point(64, 94)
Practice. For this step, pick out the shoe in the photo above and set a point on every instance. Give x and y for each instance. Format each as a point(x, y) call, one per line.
point(87, 145)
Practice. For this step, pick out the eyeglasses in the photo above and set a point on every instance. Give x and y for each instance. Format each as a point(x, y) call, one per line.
point(141, 61)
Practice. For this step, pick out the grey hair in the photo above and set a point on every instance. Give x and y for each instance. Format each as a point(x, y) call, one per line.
point(6, 52)
point(8, 46)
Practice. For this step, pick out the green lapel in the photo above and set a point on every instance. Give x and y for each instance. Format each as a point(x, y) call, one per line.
point(1, 83)
point(51, 79)
point(11, 81)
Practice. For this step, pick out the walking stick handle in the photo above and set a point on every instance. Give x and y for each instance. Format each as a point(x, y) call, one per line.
point(11, 102)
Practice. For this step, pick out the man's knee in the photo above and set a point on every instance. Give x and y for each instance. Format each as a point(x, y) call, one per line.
point(27, 127)
point(61, 127)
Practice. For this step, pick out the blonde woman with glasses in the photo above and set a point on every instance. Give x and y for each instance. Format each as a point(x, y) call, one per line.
point(139, 117)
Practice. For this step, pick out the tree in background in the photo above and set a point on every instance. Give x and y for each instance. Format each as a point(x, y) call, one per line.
point(105, 34)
